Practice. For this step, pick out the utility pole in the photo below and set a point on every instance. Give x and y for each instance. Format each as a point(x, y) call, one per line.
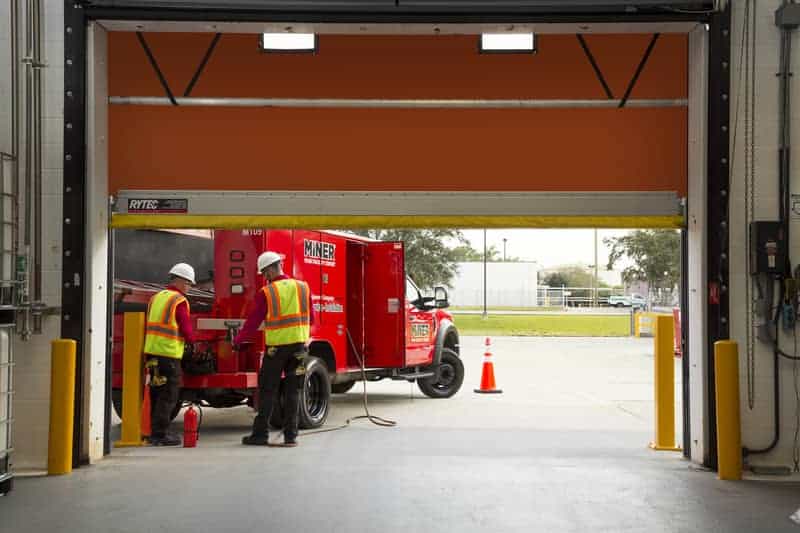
point(596, 276)
point(485, 312)
point(504, 249)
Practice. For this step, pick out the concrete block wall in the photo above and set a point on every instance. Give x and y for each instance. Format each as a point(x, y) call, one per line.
point(758, 422)
point(32, 371)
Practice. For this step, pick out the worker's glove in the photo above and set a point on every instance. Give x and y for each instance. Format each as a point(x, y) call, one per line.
point(188, 350)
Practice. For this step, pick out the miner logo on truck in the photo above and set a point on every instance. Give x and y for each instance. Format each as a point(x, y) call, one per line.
point(360, 293)
point(319, 253)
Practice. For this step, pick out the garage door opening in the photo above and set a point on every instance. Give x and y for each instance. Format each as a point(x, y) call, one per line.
point(590, 131)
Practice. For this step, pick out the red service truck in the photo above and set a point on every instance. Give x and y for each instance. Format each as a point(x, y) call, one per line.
point(360, 293)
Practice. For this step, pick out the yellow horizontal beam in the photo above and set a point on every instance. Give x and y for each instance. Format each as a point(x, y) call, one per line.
point(124, 220)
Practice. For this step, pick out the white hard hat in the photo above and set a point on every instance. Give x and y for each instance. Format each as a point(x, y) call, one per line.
point(266, 259)
point(184, 271)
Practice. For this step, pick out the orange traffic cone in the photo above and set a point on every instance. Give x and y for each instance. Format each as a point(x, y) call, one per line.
point(488, 385)
point(146, 428)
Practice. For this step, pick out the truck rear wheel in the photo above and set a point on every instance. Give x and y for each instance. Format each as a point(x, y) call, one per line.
point(450, 377)
point(341, 388)
point(315, 397)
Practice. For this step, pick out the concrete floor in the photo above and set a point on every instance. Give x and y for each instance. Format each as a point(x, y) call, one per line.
point(563, 449)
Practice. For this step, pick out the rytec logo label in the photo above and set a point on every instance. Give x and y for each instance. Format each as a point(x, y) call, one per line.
point(319, 253)
point(158, 205)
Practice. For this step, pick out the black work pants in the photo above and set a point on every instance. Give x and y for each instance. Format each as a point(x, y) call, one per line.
point(163, 398)
point(283, 361)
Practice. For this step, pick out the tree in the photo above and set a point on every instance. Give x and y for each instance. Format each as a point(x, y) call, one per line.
point(569, 276)
point(465, 253)
point(655, 255)
point(429, 259)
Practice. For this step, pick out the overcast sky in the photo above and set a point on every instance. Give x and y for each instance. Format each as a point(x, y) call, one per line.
point(548, 247)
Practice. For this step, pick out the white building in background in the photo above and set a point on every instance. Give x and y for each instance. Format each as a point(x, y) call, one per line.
point(509, 284)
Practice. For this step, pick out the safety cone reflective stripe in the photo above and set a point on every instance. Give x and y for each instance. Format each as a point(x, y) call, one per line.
point(146, 428)
point(488, 385)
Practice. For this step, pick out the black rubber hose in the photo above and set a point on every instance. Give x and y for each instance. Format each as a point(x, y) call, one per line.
point(777, 401)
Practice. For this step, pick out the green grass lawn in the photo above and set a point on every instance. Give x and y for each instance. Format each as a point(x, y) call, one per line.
point(495, 309)
point(545, 326)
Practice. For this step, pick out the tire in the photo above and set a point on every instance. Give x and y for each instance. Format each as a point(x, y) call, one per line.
point(341, 388)
point(116, 401)
point(450, 377)
point(620, 305)
point(315, 397)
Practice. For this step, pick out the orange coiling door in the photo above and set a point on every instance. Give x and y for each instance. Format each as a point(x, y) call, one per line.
point(631, 149)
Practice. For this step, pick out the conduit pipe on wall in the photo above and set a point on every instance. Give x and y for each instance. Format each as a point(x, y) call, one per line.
point(28, 256)
point(38, 43)
point(375, 103)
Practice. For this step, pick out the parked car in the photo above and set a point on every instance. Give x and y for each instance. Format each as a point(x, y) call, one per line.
point(636, 301)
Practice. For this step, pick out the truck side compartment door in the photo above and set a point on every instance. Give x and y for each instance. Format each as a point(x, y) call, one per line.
point(385, 307)
point(333, 286)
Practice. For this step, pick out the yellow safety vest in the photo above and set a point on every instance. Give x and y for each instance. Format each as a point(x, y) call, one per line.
point(288, 318)
point(162, 335)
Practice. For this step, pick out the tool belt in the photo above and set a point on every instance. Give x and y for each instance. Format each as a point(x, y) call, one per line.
point(156, 379)
point(301, 355)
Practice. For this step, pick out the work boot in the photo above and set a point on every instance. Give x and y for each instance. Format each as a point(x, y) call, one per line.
point(255, 440)
point(167, 440)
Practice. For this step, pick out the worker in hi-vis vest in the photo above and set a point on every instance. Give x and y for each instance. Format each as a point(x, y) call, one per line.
point(284, 306)
point(167, 333)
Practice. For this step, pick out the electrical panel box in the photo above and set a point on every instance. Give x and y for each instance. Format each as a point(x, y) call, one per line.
point(768, 248)
point(788, 16)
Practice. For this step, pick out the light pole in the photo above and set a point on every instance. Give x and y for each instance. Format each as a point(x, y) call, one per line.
point(485, 313)
point(504, 249)
point(596, 280)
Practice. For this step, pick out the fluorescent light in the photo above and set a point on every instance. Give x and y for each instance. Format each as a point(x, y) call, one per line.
point(289, 42)
point(508, 42)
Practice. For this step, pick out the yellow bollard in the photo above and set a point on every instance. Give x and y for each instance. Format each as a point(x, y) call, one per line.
point(729, 436)
point(663, 334)
point(62, 407)
point(132, 380)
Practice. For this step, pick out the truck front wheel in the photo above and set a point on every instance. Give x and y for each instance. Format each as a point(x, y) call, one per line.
point(450, 377)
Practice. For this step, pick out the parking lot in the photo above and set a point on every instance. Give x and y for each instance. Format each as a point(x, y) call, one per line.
point(564, 448)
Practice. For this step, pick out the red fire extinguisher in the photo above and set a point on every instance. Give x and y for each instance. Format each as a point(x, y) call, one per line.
point(190, 428)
